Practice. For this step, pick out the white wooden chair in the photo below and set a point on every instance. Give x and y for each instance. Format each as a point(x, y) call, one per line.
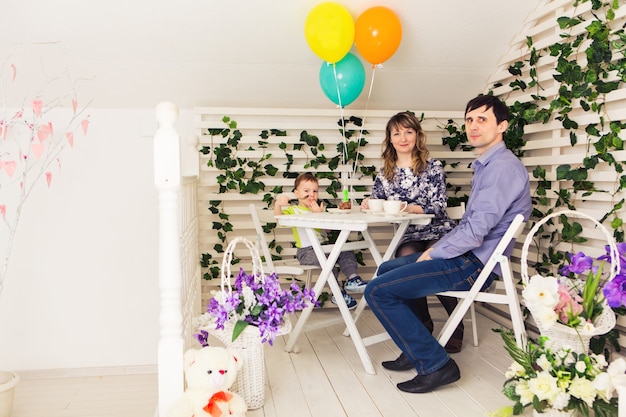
point(508, 297)
point(261, 217)
point(455, 213)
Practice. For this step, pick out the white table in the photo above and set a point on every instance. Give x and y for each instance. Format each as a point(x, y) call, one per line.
point(355, 221)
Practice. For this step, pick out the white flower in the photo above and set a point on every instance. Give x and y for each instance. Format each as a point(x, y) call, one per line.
point(545, 315)
point(561, 401)
point(544, 363)
point(606, 382)
point(581, 366)
point(582, 388)
point(544, 386)
point(587, 328)
point(514, 370)
point(568, 357)
point(249, 300)
point(541, 292)
point(524, 392)
point(599, 360)
point(617, 371)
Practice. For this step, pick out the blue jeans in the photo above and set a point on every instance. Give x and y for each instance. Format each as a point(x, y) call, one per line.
point(402, 279)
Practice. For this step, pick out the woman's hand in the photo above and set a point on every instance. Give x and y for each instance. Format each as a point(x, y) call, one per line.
point(415, 209)
point(365, 203)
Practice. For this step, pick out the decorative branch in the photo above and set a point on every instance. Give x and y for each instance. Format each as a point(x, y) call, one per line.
point(30, 150)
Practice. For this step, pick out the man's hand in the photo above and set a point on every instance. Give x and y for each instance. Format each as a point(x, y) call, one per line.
point(425, 256)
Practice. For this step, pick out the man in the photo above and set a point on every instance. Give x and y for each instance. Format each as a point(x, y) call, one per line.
point(500, 191)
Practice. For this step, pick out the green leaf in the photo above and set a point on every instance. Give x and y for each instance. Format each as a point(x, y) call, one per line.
point(240, 326)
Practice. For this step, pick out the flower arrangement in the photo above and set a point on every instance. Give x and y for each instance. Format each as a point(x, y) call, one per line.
point(560, 380)
point(261, 303)
point(570, 300)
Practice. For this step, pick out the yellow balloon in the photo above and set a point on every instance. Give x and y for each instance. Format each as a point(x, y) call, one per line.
point(329, 31)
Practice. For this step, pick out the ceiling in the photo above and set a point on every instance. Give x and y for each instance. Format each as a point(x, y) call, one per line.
point(248, 53)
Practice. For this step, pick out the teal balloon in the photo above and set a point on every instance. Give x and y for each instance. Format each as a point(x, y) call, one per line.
point(348, 83)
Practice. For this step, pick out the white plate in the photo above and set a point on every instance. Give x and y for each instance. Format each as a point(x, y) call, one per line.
point(372, 212)
point(338, 210)
point(385, 214)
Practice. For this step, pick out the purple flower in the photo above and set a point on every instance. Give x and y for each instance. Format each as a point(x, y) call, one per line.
point(579, 263)
point(271, 303)
point(621, 251)
point(615, 291)
point(203, 338)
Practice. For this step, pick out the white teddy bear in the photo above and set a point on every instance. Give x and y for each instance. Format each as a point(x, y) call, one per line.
point(209, 373)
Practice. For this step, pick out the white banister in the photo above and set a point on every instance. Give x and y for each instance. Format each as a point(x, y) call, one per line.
point(167, 178)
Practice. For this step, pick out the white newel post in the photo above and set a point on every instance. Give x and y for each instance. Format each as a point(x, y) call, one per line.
point(167, 178)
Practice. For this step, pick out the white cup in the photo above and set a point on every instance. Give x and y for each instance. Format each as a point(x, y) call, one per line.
point(375, 204)
point(394, 206)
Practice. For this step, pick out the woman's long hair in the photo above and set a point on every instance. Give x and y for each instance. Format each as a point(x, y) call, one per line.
point(420, 152)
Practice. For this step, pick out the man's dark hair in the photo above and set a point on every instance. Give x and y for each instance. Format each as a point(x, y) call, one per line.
point(500, 110)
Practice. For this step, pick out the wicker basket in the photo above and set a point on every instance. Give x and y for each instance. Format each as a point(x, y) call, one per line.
point(250, 382)
point(560, 335)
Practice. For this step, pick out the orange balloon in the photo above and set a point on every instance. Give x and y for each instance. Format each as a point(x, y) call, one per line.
point(378, 33)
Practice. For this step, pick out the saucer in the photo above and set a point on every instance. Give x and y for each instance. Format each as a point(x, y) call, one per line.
point(338, 210)
point(370, 211)
point(385, 214)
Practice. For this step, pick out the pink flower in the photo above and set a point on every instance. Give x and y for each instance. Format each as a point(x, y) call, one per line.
point(569, 306)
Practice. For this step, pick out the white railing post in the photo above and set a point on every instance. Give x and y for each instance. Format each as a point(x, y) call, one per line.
point(167, 178)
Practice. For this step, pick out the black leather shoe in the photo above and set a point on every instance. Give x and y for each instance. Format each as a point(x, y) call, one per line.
point(400, 364)
point(447, 374)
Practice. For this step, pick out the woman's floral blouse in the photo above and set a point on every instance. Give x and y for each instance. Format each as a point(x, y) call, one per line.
point(427, 190)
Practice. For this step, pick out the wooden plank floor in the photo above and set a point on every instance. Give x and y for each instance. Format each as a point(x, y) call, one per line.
point(325, 378)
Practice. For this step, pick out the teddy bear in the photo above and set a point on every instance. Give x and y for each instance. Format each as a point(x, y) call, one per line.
point(209, 373)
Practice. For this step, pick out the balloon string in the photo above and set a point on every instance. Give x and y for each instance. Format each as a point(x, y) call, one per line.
point(367, 103)
point(343, 127)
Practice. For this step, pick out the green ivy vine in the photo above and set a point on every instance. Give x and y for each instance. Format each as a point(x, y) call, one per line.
point(245, 175)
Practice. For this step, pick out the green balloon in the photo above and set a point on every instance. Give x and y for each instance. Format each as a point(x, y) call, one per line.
point(343, 81)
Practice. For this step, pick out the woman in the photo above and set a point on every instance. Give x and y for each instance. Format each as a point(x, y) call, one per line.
point(409, 175)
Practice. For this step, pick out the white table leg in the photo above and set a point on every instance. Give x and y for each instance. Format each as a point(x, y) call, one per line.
point(328, 264)
point(379, 260)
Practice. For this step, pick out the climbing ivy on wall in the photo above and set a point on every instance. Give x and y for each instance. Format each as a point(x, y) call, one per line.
point(590, 63)
point(245, 175)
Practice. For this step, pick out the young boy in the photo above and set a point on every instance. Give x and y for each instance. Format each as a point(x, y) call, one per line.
point(306, 189)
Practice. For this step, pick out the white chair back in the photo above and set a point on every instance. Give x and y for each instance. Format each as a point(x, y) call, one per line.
point(509, 297)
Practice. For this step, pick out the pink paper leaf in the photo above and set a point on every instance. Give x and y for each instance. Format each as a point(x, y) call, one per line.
point(3, 211)
point(70, 138)
point(44, 131)
point(37, 149)
point(85, 126)
point(36, 105)
point(9, 168)
point(74, 105)
point(48, 178)
point(14, 71)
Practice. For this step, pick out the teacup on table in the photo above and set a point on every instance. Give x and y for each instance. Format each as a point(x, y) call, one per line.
point(375, 205)
point(394, 206)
